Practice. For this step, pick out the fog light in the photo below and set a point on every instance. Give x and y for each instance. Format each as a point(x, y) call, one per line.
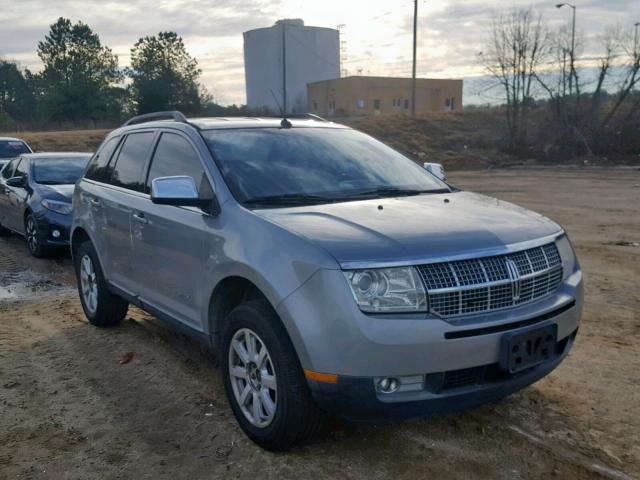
point(387, 385)
point(55, 233)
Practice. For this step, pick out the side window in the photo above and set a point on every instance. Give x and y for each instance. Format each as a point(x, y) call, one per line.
point(131, 161)
point(21, 168)
point(98, 167)
point(8, 170)
point(175, 156)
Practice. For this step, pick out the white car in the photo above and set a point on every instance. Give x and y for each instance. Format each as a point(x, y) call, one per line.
point(11, 148)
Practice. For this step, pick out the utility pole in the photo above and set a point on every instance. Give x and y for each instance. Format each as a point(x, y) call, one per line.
point(635, 40)
point(284, 70)
point(415, 39)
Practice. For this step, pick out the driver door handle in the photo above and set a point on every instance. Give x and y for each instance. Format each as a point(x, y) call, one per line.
point(139, 217)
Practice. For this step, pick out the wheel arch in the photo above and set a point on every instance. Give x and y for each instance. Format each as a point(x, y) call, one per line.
point(230, 292)
point(79, 235)
point(25, 214)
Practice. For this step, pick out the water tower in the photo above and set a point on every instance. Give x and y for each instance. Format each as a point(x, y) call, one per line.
point(280, 60)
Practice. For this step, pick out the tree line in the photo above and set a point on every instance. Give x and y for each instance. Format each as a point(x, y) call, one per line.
point(82, 83)
point(557, 101)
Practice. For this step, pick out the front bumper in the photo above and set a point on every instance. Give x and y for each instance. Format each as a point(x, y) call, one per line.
point(356, 398)
point(331, 335)
point(50, 222)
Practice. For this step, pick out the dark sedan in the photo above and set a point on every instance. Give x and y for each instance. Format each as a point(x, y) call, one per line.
point(35, 198)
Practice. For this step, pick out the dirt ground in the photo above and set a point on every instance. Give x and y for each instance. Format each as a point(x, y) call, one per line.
point(69, 407)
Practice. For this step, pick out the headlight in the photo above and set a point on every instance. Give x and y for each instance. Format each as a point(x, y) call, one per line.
point(59, 207)
point(387, 290)
point(567, 255)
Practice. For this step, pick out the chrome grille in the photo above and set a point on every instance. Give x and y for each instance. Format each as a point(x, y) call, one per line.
point(484, 284)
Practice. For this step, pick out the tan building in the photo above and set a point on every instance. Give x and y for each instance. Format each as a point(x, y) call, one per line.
point(359, 95)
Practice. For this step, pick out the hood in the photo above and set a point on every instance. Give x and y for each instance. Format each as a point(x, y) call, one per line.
point(62, 193)
point(417, 228)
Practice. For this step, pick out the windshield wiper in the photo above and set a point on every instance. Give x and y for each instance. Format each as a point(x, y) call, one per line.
point(288, 199)
point(393, 192)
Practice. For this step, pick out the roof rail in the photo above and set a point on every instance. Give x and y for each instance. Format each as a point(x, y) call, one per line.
point(316, 117)
point(150, 117)
point(300, 116)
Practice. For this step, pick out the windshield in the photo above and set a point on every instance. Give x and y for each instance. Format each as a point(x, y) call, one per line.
point(12, 148)
point(59, 170)
point(314, 165)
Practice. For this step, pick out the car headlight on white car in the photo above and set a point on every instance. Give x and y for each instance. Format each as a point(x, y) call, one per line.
point(55, 206)
point(383, 290)
point(567, 255)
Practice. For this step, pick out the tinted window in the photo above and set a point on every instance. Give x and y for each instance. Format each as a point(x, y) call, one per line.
point(21, 169)
point(7, 172)
point(175, 156)
point(12, 148)
point(98, 167)
point(131, 161)
point(59, 170)
point(335, 163)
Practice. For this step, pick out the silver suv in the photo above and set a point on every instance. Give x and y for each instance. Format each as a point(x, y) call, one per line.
point(330, 272)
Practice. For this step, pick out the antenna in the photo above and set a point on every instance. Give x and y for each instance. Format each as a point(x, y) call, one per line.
point(284, 67)
point(277, 102)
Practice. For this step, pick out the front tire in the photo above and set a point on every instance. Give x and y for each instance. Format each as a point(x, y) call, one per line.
point(34, 238)
point(264, 382)
point(101, 307)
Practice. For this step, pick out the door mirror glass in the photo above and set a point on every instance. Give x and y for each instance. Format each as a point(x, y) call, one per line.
point(17, 181)
point(435, 169)
point(179, 191)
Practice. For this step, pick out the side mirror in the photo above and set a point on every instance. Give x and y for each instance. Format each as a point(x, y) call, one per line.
point(435, 169)
point(181, 191)
point(19, 182)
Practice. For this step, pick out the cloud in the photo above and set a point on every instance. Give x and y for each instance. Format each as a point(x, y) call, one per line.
point(378, 34)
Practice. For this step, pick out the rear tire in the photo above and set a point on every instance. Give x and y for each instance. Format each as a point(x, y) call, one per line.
point(101, 307)
point(4, 232)
point(294, 417)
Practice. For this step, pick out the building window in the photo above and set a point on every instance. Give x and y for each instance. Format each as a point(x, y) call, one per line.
point(360, 104)
point(376, 104)
point(315, 106)
point(450, 103)
point(406, 104)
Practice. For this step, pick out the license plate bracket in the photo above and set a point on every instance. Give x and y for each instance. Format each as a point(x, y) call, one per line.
point(524, 349)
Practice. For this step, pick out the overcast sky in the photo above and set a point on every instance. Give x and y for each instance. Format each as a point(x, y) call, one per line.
point(377, 32)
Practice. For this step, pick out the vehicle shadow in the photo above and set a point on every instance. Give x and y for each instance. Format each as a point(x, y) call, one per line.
point(138, 399)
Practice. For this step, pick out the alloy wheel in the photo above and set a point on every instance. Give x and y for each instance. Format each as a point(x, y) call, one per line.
point(88, 284)
point(32, 234)
point(253, 377)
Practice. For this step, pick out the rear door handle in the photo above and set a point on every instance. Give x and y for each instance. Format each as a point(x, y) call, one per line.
point(139, 217)
point(92, 200)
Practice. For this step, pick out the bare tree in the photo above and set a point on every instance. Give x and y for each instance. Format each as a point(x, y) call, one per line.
point(630, 64)
point(517, 46)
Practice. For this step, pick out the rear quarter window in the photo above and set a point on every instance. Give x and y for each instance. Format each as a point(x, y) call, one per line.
point(131, 161)
point(98, 169)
